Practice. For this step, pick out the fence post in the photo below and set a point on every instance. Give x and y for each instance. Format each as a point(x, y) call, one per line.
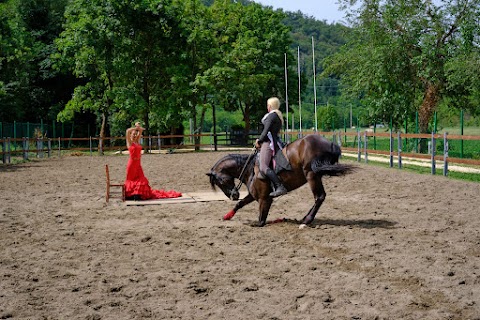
point(59, 148)
point(8, 150)
point(158, 143)
point(445, 154)
point(4, 156)
point(416, 131)
point(90, 145)
point(37, 142)
point(391, 148)
point(461, 133)
point(15, 135)
point(40, 141)
point(359, 147)
point(24, 148)
point(406, 131)
point(27, 146)
point(365, 144)
point(399, 150)
point(433, 153)
point(49, 144)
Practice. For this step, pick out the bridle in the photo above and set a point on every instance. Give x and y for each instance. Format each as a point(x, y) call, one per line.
point(242, 173)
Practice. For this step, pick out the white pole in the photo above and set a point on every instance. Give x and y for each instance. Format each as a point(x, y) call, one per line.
point(314, 85)
point(299, 95)
point(286, 95)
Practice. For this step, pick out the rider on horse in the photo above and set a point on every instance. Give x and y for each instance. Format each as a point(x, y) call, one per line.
point(269, 143)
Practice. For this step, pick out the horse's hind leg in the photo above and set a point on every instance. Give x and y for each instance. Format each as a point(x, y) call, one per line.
point(318, 190)
point(242, 203)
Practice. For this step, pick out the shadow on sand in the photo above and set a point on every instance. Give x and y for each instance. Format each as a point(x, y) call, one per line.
point(361, 223)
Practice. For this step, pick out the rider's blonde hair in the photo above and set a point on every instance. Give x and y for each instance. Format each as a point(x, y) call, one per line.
point(274, 104)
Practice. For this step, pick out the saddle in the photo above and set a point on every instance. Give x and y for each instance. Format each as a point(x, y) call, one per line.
point(279, 161)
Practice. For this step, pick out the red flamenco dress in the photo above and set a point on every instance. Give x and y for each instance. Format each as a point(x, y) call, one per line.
point(136, 184)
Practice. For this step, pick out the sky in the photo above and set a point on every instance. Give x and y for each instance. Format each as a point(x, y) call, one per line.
point(319, 9)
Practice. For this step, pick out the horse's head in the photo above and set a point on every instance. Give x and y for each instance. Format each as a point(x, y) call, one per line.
point(223, 175)
point(225, 182)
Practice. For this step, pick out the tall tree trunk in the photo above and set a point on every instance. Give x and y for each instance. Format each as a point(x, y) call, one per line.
point(429, 104)
point(199, 129)
point(102, 133)
point(246, 117)
point(104, 130)
point(427, 109)
point(146, 98)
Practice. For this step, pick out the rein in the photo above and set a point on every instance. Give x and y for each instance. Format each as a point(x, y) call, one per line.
point(252, 155)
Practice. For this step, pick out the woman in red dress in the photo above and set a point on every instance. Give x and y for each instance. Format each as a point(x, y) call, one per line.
point(136, 184)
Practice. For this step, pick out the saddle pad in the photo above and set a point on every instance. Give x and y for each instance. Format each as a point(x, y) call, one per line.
point(281, 162)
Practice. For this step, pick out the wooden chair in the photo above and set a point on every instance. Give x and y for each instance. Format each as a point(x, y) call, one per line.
point(117, 193)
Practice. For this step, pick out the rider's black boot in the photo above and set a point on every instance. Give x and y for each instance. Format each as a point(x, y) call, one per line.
point(280, 189)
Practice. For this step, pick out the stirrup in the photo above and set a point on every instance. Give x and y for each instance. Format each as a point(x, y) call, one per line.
point(280, 191)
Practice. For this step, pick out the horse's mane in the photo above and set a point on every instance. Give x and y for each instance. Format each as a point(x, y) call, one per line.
point(238, 158)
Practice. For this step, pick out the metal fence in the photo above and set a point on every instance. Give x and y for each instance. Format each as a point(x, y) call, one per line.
point(43, 129)
point(44, 147)
point(436, 147)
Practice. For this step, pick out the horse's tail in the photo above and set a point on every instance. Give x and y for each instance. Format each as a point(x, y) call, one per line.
point(328, 169)
point(331, 167)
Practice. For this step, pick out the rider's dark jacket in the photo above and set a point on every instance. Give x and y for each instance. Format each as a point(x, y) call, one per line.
point(273, 124)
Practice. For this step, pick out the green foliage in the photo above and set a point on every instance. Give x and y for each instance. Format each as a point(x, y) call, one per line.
point(165, 62)
point(462, 73)
point(250, 45)
point(226, 120)
point(328, 118)
point(328, 38)
point(29, 88)
point(128, 53)
point(15, 56)
point(404, 55)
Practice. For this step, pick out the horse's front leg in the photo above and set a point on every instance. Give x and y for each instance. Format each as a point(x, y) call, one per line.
point(240, 204)
point(264, 207)
point(318, 190)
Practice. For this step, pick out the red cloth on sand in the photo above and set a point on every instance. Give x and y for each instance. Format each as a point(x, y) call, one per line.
point(137, 184)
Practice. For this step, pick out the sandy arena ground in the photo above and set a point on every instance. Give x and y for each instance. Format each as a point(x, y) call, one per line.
point(386, 244)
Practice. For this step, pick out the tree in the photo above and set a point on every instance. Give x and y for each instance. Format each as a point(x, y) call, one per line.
point(130, 57)
point(29, 88)
point(251, 43)
point(14, 57)
point(397, 61)
point(87, 48)
point(152, 59)
point(200, 54)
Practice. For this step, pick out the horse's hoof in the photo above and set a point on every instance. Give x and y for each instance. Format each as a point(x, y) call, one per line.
point(302, 226)
point(229, 215)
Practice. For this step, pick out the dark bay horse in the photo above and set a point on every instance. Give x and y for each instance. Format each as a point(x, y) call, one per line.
point(311, 158)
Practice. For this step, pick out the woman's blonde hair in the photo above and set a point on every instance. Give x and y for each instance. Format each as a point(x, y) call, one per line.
point(274, 103)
